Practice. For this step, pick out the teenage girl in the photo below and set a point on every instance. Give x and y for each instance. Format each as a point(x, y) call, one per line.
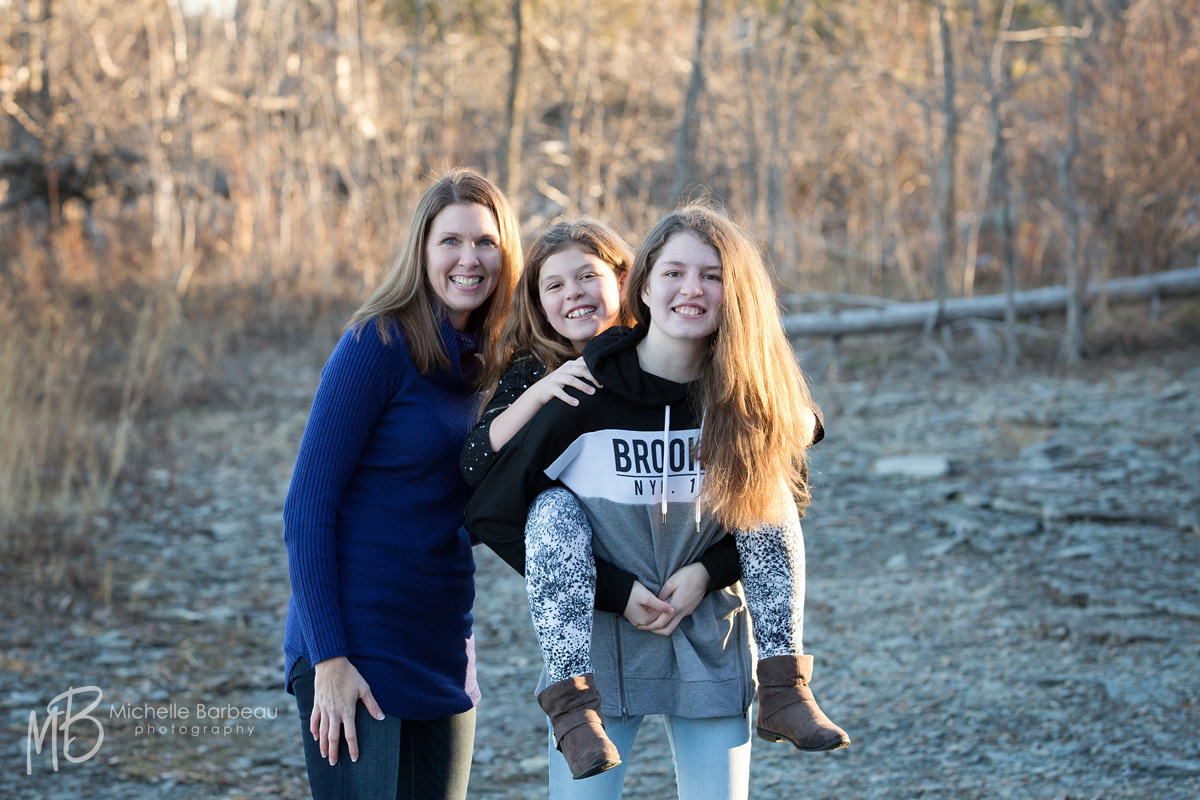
point(379, 650)
point(708, 349)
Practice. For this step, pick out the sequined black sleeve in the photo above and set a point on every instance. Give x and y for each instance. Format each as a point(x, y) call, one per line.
point(477, 455)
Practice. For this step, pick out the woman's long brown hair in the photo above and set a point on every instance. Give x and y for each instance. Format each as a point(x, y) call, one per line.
point(404, 296)
point(755, 400)
point(527, 329)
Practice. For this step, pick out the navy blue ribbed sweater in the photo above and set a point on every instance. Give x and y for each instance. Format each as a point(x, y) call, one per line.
point(381, 569)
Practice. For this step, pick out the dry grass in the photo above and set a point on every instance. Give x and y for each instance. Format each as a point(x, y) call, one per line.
point(83, 370)
point(174, 188)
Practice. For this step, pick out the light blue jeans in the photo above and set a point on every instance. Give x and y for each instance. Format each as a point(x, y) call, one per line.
point(712, 760)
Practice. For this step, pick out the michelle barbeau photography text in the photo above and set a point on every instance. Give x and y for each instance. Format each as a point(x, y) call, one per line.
point(78, 717)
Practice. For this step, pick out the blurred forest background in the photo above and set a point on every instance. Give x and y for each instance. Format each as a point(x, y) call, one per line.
point(181, 181)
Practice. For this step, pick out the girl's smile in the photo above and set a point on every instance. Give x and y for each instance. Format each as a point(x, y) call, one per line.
point(580, 295)
point(684, 290)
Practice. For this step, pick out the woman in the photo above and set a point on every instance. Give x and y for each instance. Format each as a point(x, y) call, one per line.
point(702, 421)
point(379, 649)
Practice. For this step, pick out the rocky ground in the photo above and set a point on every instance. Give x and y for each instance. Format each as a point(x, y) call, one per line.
point(1003, 600)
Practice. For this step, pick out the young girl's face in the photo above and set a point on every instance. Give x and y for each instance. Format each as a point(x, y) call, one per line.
point(580, 295)
point(684, 291)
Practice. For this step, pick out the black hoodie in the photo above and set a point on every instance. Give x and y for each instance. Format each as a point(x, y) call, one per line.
point(609, 451)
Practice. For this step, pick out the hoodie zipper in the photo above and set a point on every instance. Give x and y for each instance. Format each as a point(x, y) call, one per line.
point(621, 674)
point(741, 665)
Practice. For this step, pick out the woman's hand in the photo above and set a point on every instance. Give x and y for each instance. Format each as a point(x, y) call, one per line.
point(337, 688)
point(573, 373)
point(643, 607)
point(684, 590)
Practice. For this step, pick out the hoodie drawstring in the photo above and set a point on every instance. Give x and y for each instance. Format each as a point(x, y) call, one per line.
point(666, 456)
point(666, 470)
point(699, 476)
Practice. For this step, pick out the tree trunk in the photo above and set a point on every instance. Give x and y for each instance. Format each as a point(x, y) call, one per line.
point(1072, 345)
point(947, 225)
point(510, 155)
point(999, 85)
point(685, 140)
point(900, 316)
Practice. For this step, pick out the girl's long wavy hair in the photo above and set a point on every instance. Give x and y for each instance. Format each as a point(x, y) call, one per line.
point(527, 329)
point(754, 398)
point(405, 297)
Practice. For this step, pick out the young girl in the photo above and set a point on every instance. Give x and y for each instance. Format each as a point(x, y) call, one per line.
point(708, 352)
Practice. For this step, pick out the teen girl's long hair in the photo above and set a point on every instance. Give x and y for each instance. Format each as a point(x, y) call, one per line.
point(405, 297)
point(755, 400)
point(527, 329)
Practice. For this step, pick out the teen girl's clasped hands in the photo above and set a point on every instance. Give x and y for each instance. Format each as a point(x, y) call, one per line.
point(693, 423)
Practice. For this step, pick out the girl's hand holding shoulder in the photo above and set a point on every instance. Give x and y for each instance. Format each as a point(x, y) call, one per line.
point(573, 373)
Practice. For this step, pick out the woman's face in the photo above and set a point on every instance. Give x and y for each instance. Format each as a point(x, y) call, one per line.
point(462, 259)
point(683, 290)
point(580, 295)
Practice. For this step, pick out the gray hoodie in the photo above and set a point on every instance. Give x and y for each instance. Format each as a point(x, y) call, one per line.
point(609, 451)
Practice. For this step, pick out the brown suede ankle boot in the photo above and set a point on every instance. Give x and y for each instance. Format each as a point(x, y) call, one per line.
point(573, 706)
point(787, 710)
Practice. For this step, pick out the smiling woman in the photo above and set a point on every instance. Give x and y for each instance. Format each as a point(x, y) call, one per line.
point(379, 648)
point(462, 259)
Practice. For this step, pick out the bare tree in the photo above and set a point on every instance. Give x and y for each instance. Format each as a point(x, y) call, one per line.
point(685, 139)
point(509, 159)
point(1072, 345)
point(946, 202)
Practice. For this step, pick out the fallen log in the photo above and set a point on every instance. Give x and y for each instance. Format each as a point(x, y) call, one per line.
point(929, 314)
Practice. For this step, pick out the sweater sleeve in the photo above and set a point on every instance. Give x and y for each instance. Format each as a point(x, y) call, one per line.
point(478, 456)
point(355, 386)
point(723, 563)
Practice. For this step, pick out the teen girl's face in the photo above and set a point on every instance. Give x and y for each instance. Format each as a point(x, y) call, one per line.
point(580, 295)
point(462, 259)
point(684, 291)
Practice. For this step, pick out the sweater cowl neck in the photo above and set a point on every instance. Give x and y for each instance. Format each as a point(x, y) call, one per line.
point(462, 347)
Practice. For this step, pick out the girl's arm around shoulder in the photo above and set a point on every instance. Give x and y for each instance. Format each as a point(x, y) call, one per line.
point(356, 384)
point(496, 513)
point(479, 453)
point(523, 390)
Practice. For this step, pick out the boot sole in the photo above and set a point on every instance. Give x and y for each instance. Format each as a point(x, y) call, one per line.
point(596, 770)
point(774, 737)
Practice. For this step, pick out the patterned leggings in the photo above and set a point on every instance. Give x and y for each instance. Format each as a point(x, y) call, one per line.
point(560, 578)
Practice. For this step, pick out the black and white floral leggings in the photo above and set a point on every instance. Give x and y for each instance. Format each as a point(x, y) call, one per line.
point(560, 578)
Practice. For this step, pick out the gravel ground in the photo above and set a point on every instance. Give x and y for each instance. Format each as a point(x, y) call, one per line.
point(1002, 600)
